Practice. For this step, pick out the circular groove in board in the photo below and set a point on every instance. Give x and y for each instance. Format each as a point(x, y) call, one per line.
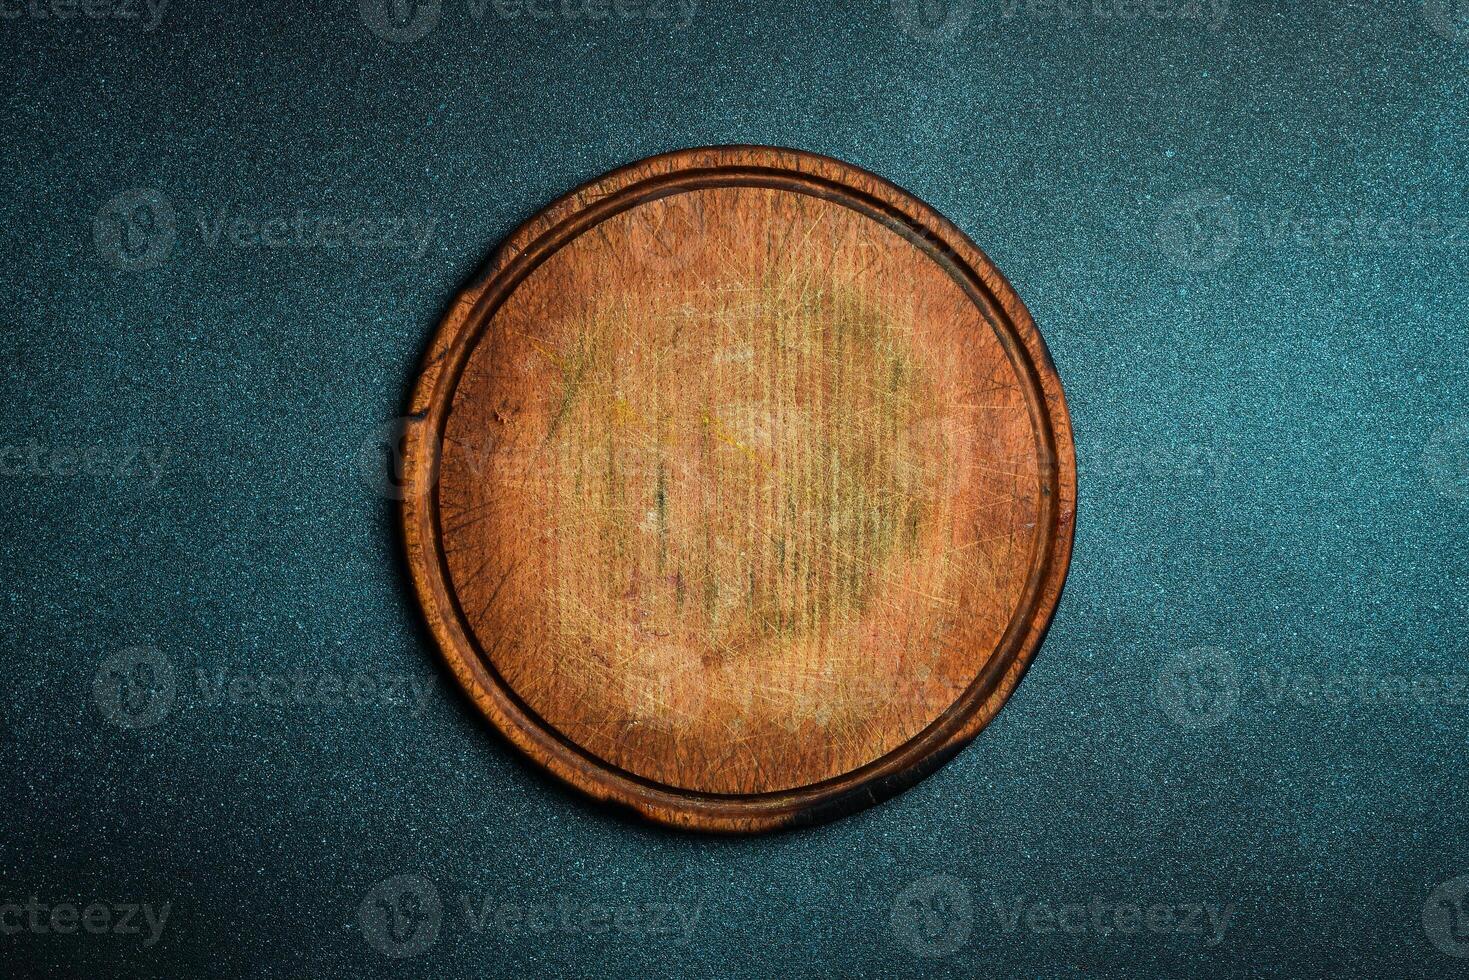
point(739, 488)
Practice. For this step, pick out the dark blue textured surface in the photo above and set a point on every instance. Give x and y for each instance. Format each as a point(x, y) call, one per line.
point(1243, 235)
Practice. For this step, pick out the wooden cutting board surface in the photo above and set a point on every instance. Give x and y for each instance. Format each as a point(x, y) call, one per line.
point(740, 488)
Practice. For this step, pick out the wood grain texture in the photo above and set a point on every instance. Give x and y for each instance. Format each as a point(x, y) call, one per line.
point(740, 488)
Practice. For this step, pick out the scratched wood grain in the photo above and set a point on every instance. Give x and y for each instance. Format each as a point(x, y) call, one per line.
point(740, 488)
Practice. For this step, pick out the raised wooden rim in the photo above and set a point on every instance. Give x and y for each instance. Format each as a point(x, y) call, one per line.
point(572, 215)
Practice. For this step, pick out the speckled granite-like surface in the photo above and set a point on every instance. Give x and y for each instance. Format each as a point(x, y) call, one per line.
point(1242, 229)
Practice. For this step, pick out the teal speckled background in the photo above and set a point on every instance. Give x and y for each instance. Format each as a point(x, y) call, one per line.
point(1242, 229)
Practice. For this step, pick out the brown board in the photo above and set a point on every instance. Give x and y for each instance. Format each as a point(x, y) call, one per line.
point(739, 488)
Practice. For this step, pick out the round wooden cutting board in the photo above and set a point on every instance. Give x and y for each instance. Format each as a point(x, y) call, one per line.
point(739, 488)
